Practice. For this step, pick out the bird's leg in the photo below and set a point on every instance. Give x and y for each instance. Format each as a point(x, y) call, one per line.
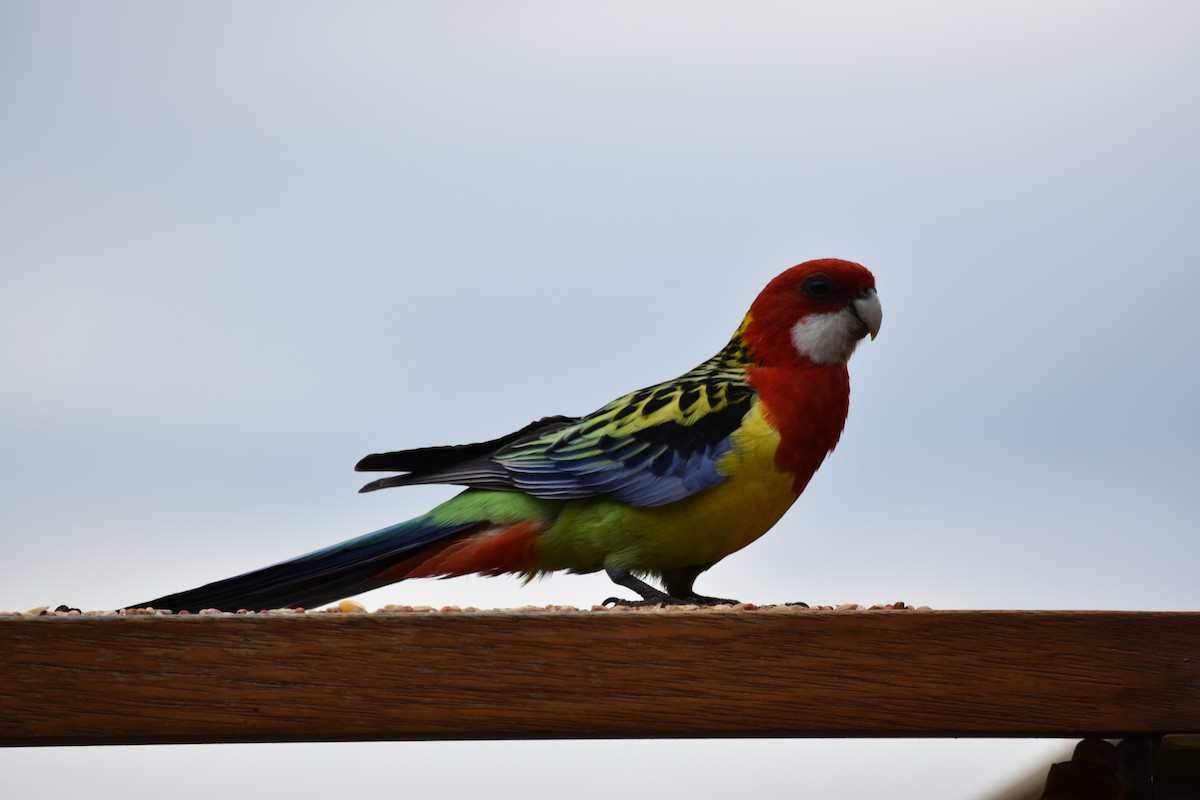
point(650, 595)
point(678, 584)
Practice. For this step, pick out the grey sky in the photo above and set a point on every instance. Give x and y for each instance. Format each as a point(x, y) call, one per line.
point(243, 245)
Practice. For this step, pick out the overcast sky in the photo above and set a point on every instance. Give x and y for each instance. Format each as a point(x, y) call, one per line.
point(242, 245)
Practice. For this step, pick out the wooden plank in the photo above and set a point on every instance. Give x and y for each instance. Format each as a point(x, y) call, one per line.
point(330, 677)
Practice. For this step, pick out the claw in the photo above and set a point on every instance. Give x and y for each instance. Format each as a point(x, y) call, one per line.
point(667, 600)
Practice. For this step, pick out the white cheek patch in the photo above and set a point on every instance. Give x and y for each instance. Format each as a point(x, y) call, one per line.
point(828, 338)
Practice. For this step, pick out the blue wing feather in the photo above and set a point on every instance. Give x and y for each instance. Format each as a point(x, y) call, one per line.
point(649, 448)
point(655, 454)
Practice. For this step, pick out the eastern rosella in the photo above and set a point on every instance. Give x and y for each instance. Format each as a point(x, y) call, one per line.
point(663, 482)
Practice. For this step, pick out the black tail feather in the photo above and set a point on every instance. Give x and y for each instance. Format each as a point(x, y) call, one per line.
point(320, 577)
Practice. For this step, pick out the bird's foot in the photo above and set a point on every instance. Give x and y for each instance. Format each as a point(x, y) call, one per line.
point(667, 600)
point(656, 597)
point(663, 599)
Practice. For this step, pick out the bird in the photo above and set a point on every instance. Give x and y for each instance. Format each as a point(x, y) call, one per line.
point(661, 483)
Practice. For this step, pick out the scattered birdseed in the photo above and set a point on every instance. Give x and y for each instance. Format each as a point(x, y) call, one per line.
point(355, 607)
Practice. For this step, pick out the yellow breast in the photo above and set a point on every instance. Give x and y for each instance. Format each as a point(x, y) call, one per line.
point(700, 529)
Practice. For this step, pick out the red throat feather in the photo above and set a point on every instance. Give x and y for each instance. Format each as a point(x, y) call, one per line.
point(808, 408)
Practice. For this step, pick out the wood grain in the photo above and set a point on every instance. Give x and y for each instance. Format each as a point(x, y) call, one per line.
point(106, 680)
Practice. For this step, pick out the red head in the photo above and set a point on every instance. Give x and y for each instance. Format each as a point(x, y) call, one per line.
point(814, 313)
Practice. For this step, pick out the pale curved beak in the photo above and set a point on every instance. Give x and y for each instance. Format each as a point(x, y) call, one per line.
point(867, 308)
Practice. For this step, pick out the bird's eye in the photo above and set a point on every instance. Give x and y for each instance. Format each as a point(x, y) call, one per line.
point(818, 287)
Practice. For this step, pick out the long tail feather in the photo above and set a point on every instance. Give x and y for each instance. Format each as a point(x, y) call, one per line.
point(320, 577)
